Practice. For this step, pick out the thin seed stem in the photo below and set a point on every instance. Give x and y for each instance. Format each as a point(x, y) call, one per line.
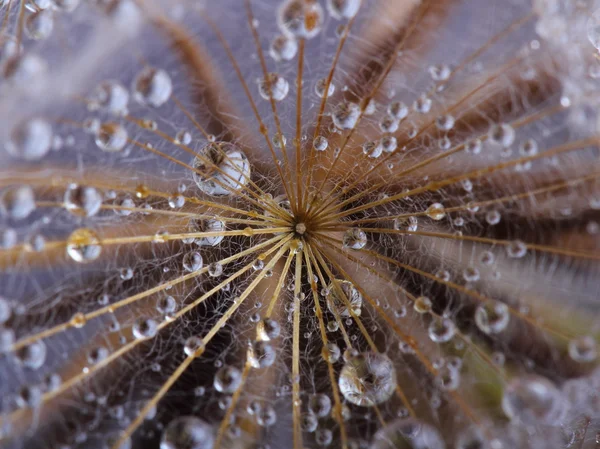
point(296, 412)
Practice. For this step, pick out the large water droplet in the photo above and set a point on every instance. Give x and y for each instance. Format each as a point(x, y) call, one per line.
point(233, 173)
point(187, 432)
point(368, 379)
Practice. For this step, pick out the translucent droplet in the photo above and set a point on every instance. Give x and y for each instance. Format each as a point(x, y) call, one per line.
point(354, 238)
point(192, 261)
point(319, 405)
point(593, 29)
point(406, 224)
point(233, 169)
point(266, 416)
point(407, 433)
point(493, 217)
point(82, 200)
point(447, 378)
point(389, 144)
point(422, 304)
point(183, 137)
point(268, 329)
point(340, 293)
point(166, 305)
point(473, 146)
point(31, 140)
point(110, 96)
point(528, 148)
point(17, 202)
point(96, 355)
point(29, 396)
point(422, 105)
point(194, 346)
point(503, 135)
point(215, 269)
point(343, 9)
point(227, 379)
point(345, 115)
point(397, 110)
point(111, 137)
point(445, 122)
point(320, 88)
point(516, 249)
point(39, 25)
point(533, 400)
point(583, 349)
point(372, 149)
point(442, 330)
point(389, 125)
point(32, 356)
point(309, 422)
point(300, 19)
point(152, 86)
point(470, 274)
point(83, 245)
point(440, 72)
point(261, 354)
point(187, 432)
point(283, 48)
point(436, 211)
point(368, 379)
point(492, 317)
point(323, 437)
point(331, 352)
point(320, 143)
point(277, 84)
point(144, 328)
point(209, 225)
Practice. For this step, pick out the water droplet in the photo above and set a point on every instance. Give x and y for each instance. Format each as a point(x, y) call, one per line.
point(227, 379)
point(233, 169)
point(444, 122)
point(110, 96)
point(187, 432)
point(283, 48)
point(194, 346)
point(82, 200)
point(267, 329)
point(436, 211)
point(593, 29)
point(354, 238)
point(309, 422)
point(144, 328)
point(345, 115)
point(32, 356)
point(340, 293)
point(96, 355)
point(533, 399)
point(368, 379)
point(406, 224)
point(31, 140)
point(320, 143)
point(320, 88)
point(492, 317)
point(389, 144)
point(583, 349)
point(17, 202)
point(300, 19)
point(111, 137)
point(440, 72)
point(442, 330)
point(516, 249)
point(331, 352)
point(372, 149)
point(343, 9)
point(261, 354)
point(83, 245)
point(192, 261)
point(152, 86)
point(39, 24)
point(422, 305)
point(277, 84)
point(166, 305)
point(407, 433)
point(503, 135)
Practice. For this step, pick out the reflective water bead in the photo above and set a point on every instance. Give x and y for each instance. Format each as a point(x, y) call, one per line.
point(183, 137)
point(492, 317)
point(516, 249)
point(389, 144)
point(406, 223)
point(319, 405)
point(354, 238)
point(111, 96)
point(266, 416)
point(192, 261)
point(309, 422)
point(209, 225)
point(17, 202)
point(187, 432)
point(502, 134)
point(407, 433)
point(473, 146)
point(300, 19)
point(345, 115)
point(340, 294)
point(283, 48)
point(343, 9)
point(29, 396)
point(320, 143)
point(533, 399)
point(83, 245)
point(320, 87)
point(233, 169)
point(323, 437)
point(166, 305)
point(593, 29)
point(194, 346)
point(528, 148)
point(144, 328)
point(442, 330)
point(32, 356)
point(82, 200)
point(470, 274)
point(372, 149)
point(422, 304)
point(436, 211)
point(368, 379)
point(422, 105)
point(268, 329)
point(583, 349)
point(96, 355)
point(447, 378)
point(39, 25)
point(152, 86)
point(30, 140)
point(444, 122)
point(331, 352)
point(389, 125)
point(227, 379)
point(261, 354)
point(493, 217)
point(273, 86)
point(111, 137)
point(440, 72)
point(398, 110)
point(215, 269)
